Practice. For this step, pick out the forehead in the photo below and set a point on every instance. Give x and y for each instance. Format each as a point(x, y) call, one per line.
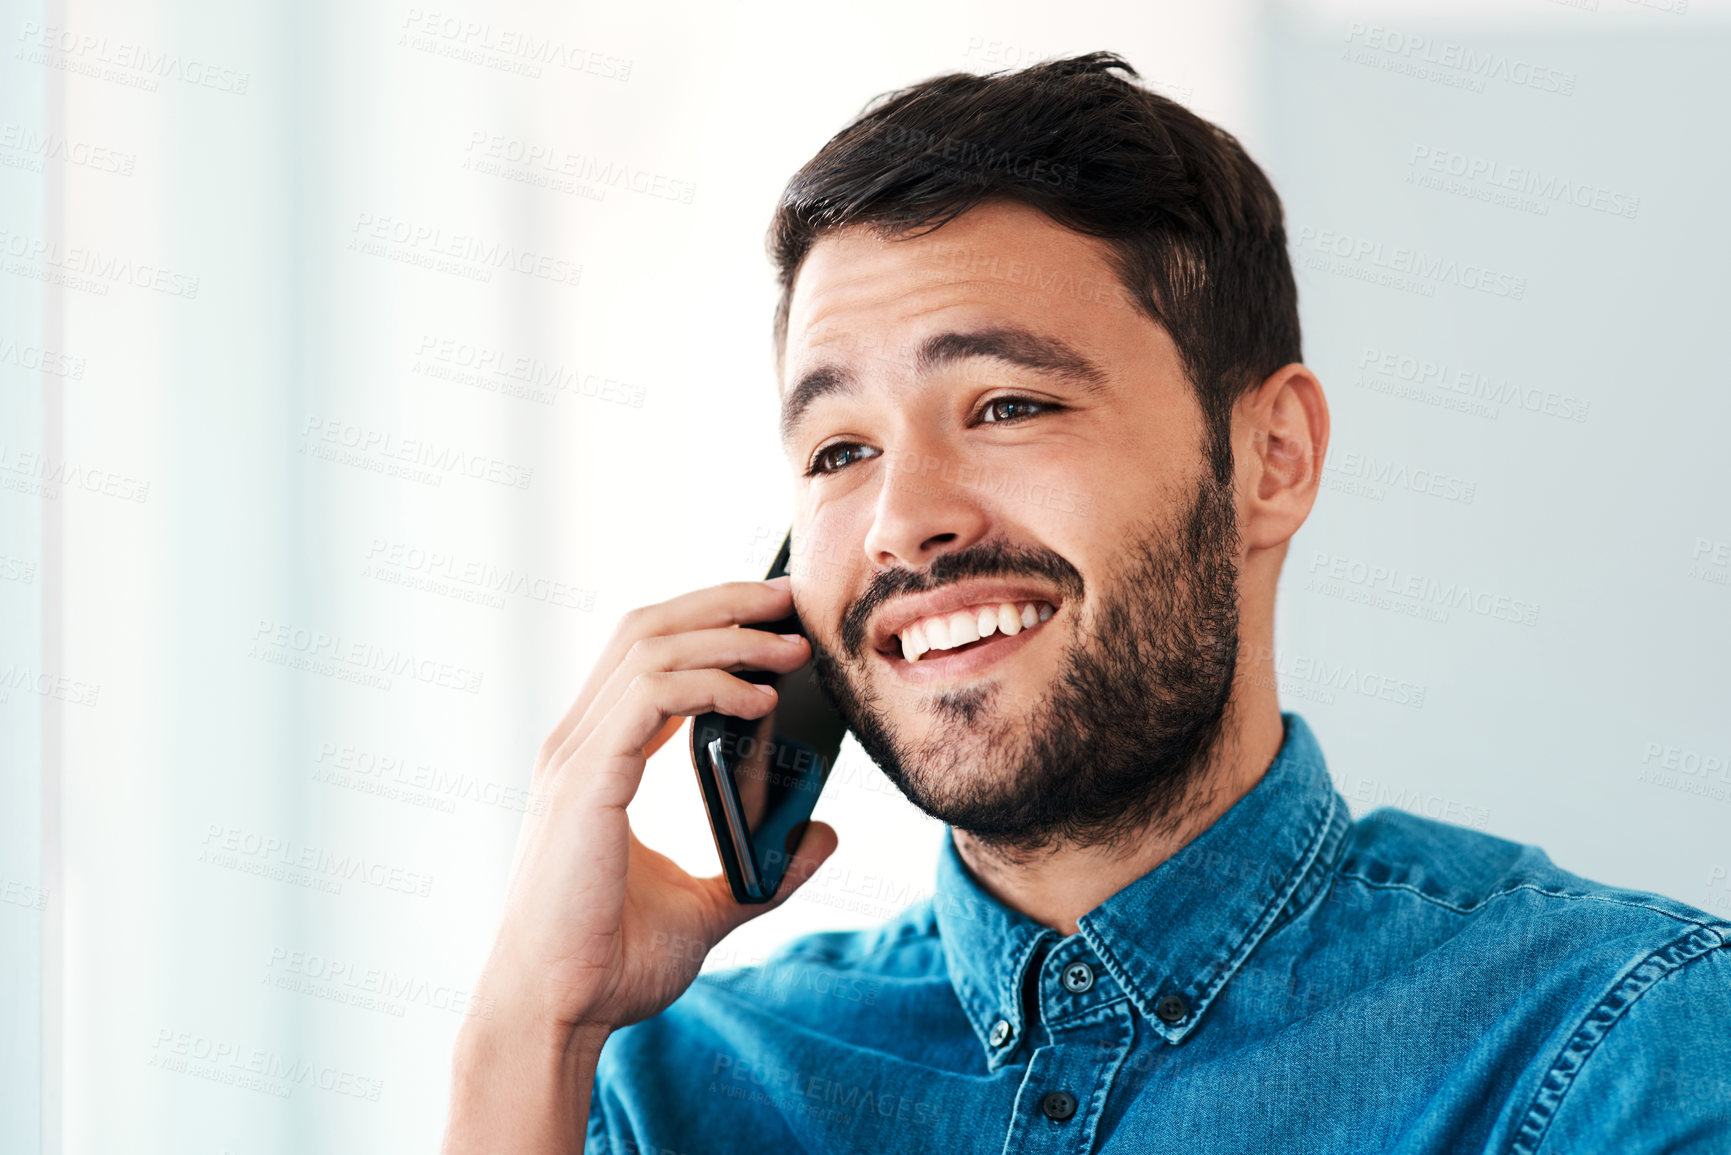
point(861, 297)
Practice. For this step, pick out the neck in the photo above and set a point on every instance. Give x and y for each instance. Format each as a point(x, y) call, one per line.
point(1058, 886)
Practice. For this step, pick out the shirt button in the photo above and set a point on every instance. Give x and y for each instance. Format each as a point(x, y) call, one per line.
point(1000, 1033)
point(1078, 977)
point(1058, 1105)
point(1172, 1009)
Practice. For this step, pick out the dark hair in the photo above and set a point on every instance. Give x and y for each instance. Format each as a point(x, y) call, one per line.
point(1194, 225)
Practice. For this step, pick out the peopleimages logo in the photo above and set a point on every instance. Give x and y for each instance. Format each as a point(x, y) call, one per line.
point(965, 157)
point(37, 359)
point(1390, 367)
point(39, 475)
point(32, 148)
point(1421, 267)
point(1393, 588)
point(1545, 188)
point(333, 655)
point(133, 65)
point(495, 370)
point(505, 49)
point(226, 845)
point(253, 1068)
point(417, 456)
point(475, 257)
point(88, 269)
point(1422, 56)
point(1371, 476)
point(493, 154)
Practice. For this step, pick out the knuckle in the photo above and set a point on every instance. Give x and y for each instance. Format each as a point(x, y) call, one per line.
point(644, 651)
point(634, 622)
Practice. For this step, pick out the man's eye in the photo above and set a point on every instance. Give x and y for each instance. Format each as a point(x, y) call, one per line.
point(997, 411)
point(1003, 407)
point(829, 458)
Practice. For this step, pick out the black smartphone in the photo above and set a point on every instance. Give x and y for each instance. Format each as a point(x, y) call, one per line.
point(761, 777)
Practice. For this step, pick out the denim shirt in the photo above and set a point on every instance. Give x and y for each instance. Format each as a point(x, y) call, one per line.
point(1290, 981)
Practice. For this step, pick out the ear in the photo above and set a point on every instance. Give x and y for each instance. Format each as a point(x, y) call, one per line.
point(1280, 440)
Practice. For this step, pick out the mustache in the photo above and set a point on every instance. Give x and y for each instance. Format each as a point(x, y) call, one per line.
point(996, 559)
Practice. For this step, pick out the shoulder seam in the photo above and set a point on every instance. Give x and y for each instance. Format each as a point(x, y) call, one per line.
point(1590, 1031)
point(1459, 909)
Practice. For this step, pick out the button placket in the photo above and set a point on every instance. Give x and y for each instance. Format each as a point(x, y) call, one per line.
point(1069, 1082)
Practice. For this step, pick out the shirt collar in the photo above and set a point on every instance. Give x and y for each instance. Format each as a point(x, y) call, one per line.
point(1183, 929)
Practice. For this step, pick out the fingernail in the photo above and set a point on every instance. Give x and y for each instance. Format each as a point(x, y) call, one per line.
point(779, 583)
point(770, 690)
point(792, 638)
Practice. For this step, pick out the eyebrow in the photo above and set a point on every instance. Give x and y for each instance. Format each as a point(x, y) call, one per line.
point(1009, 344)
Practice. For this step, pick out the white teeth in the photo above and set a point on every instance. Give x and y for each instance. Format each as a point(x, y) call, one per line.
point(947, 631)
point(938, 632)
point(964, 628)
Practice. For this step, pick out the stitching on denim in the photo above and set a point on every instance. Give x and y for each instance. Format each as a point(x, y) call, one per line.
point(1293, 913)
point(1117, 971)
point(1578, 1050)
point(1259, 930)
point(1290, 913)
point(1077, 1017)
point(1256, 932)
point(967, 997)
point(1446, 905)
point(1108, 1073)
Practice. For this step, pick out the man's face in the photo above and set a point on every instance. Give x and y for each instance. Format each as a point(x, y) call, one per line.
point(979, 419)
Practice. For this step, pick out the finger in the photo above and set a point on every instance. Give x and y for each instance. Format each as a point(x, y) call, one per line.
point(730, 648)
point(815, 846)
point(610, 762)
point(730, 603)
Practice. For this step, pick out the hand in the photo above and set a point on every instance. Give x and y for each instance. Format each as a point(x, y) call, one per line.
point(591, 912)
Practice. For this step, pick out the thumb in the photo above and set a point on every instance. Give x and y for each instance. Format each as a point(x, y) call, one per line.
point(815, 845)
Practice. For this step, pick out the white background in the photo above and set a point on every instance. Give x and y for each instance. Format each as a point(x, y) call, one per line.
point(145, 723)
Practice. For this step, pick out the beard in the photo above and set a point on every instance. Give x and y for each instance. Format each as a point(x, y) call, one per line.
point(1116, 749)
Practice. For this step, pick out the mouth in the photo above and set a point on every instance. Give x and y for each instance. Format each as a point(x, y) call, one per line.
point(963, 641)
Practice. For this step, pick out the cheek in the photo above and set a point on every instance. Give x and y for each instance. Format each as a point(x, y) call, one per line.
point(1061, 487)
point(829, 544)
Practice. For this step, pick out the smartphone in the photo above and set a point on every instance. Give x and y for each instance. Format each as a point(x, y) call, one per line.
point(761, 777)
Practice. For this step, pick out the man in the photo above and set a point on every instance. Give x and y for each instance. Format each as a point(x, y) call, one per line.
point(1050, 434)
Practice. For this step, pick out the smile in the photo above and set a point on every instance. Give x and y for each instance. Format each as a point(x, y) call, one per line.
point(964, 642)
point(960, 628)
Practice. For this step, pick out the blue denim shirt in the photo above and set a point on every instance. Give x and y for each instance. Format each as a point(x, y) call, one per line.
point(1290, 981)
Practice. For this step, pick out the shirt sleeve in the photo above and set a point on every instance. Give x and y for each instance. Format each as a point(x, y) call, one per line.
point(1660, 1078)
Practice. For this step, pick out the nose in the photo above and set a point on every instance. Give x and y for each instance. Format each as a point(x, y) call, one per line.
point(925, 508)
